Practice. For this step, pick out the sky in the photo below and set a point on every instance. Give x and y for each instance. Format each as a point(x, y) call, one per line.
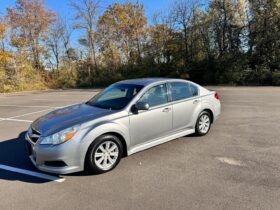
point(61, 7)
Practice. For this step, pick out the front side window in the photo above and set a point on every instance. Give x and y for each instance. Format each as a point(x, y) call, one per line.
point(180, 90)
point(115, 97)
point(155, 96)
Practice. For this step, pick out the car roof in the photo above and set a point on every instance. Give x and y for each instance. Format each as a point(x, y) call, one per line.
point(148, 81)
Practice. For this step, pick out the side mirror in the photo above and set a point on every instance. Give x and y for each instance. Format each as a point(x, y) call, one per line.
point(142, 106)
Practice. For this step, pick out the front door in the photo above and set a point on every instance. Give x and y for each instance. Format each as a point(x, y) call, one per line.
point(155, 122)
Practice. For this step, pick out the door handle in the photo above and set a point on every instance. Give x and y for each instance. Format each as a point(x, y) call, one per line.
point(195, 101)
point(166, 109)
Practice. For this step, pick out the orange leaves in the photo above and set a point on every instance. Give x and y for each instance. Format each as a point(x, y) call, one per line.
point(30, 18)
point(29, 21)
point(127, 19)
point(2, 30)
point(125, 26)
point(4, 57)
point(30, 13)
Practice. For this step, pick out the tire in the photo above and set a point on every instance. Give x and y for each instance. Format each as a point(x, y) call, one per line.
point(104, 154)
point(203, 123)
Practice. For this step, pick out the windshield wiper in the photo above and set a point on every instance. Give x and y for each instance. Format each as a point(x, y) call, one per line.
point(101, 107)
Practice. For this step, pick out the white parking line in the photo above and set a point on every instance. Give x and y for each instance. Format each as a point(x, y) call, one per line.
point(30, 113)
point(39, 99)
point(19, 120)
point(60, 99)
point(32, 173)
point(17, 106)
point(15, 120)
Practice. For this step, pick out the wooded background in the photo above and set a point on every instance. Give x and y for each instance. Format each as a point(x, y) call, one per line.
point(235, 42)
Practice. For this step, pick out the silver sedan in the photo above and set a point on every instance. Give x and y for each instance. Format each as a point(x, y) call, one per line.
point(125, 118)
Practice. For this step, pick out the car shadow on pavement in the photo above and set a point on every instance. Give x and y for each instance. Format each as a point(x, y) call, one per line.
point(13, 154)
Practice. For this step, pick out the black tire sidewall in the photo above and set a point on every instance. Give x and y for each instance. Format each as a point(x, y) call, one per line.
point(90, 165)
point(197, 130)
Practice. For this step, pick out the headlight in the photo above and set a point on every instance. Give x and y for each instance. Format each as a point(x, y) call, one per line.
point(61, 136)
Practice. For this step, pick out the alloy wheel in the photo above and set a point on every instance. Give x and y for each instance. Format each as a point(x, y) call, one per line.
point(204, 123)
point(106, 155)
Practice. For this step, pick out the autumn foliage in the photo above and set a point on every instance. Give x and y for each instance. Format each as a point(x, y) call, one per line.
point(226, 42)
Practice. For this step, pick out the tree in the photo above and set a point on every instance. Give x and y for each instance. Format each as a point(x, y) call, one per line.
point(3, 30)
point(160, 40)
point(86, 18)
point(59, 42)
point(181, 16)
point(4, 55)
point(264, 32)
point(66, 37)
point(228, 21)
point(201, 34)
point(30, 21)
point(218, 42)
point(123, 26)
point(55, 42)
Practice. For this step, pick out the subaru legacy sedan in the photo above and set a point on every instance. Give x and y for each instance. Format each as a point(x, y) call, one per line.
point(125, 118)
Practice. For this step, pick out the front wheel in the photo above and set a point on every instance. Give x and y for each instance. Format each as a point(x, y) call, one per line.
point(104, 154)
point(203, 123)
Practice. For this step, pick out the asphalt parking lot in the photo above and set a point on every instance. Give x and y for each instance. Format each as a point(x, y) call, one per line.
point(236, 166)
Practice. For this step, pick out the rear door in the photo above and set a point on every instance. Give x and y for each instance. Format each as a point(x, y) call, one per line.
point(185, 100)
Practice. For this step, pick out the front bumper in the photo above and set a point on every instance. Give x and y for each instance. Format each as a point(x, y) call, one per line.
point(68, 153)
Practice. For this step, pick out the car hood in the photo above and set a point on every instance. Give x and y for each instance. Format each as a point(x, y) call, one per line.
point(66, 117)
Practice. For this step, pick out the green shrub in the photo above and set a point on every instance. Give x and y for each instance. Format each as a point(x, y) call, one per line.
point(276, 77)
point(20, 75)
point(66, 77)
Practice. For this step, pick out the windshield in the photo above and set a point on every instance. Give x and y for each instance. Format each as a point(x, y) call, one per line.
point(115, 97)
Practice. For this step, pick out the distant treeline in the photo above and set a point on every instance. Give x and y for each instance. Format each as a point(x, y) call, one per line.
point(235, 42)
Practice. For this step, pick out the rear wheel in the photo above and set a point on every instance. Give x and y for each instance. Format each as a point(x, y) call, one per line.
point(104, 154)
point(203, 123)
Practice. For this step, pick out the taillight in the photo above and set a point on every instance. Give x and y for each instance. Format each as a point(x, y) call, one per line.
point(216, 96)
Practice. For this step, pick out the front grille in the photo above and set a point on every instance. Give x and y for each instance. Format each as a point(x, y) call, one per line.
point(34, 135)
point(35, 131)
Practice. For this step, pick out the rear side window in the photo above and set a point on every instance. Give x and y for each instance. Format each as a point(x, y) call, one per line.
point(155, 96)
point(180, 90)
point(194, 90)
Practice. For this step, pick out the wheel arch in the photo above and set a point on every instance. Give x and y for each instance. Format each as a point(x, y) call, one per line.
point(102, 129)
point(207, 106)
point(210, 112)
point(107, 128)
point(122, 139)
